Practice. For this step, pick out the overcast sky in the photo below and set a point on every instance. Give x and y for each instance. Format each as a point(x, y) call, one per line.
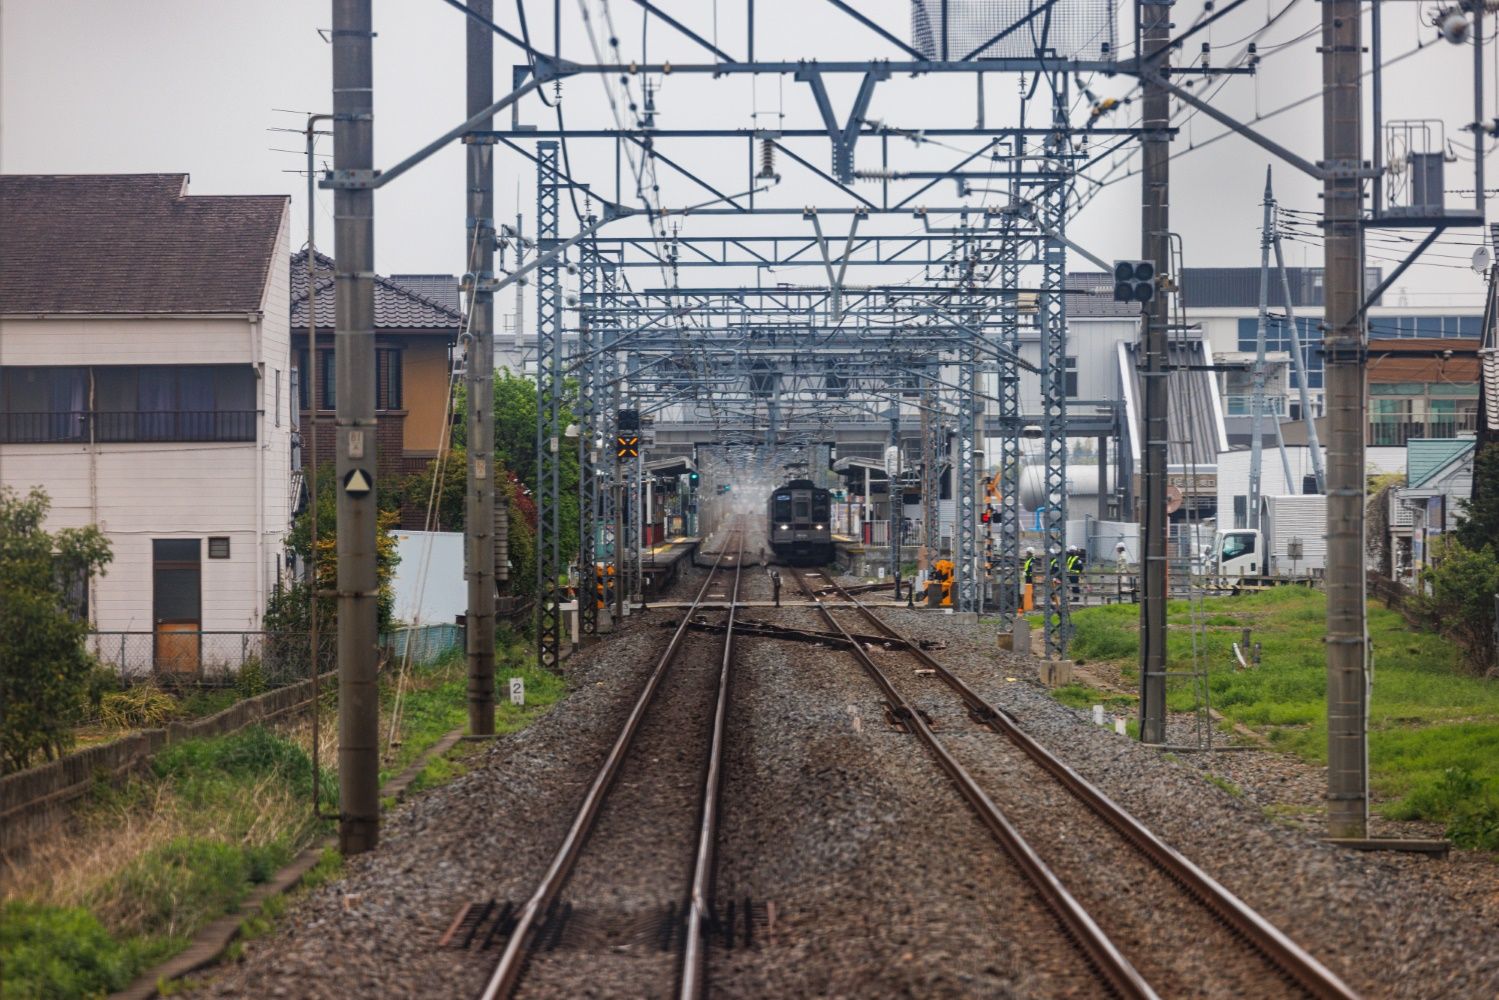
point(194, 86)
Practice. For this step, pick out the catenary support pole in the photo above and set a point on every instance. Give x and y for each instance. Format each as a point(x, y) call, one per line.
point(1155, 177)
point(1259, 373)
point(1343, 349)
point(1298, 367)
point(354, 347)
point(479, 512)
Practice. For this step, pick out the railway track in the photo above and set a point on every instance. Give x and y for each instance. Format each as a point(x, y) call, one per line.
point(1233, 919)
point(534, 922)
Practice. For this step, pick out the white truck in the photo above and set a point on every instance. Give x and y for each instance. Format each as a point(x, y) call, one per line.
point(1290, 543)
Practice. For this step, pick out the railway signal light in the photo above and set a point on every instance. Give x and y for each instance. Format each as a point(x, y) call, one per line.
point(692, 478)
point(626, 446)
point(987, 514)
point(1134, 281)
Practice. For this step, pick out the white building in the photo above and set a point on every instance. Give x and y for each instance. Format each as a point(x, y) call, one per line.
point(146, 385)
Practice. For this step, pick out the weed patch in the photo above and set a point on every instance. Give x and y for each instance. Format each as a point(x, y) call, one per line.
point(1428, 716)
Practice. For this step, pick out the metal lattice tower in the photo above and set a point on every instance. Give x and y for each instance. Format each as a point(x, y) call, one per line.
point(606, 380)
point(548, 411)
point(931, 463)
point(1007, 593)
point(965, 475)
point(587, 417)
point(1053, 321)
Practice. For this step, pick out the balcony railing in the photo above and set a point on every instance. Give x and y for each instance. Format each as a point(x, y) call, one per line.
point(114, 427)
point(1243, 406)
point(1398, 432)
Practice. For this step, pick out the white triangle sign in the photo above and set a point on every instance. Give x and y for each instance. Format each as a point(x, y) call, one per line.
point(357, 483)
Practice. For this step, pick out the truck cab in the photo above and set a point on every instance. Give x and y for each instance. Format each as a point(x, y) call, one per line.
point(1241, 552)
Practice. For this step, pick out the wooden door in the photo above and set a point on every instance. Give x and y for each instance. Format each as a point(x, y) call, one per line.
point(177, 604)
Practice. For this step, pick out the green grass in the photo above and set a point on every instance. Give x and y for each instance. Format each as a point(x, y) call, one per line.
point(436, 703)
point(1427, 717)
point(214, 818)
point(56, 951)
point(231, 811)
point(1084, 697)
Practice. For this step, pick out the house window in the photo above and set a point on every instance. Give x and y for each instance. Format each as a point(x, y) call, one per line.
point(218, 547)
point(278, 397)
point(1069, 377)
point(387, 379)
point(128, 403)
point(1278, 338)
point(388, 388)
point(43, 404)
point(327, 379)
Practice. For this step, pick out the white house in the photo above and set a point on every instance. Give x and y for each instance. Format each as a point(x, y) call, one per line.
point(146, 384)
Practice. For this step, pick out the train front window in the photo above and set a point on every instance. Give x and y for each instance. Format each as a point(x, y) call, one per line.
point(782, 506)
point(820, 509)
point(802, 510)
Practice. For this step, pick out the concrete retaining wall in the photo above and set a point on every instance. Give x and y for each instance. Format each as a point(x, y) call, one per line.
point(34, 800)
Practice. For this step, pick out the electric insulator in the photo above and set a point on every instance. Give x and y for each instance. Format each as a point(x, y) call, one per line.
point(767, 160)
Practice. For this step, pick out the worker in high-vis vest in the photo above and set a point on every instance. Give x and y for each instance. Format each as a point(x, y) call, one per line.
point(1074, 570)
point(1027, 566)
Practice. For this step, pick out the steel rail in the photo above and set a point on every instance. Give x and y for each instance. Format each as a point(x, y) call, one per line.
point(1285, 954)
point(507, 970)
point(1105, 957)
point(699, 913)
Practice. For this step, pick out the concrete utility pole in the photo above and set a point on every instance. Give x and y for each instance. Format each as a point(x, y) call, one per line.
point(1343, 350)
point(354, 362)
point(479, 502)
point(1155, 176)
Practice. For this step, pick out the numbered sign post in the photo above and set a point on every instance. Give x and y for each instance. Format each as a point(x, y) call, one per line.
point(517, 690)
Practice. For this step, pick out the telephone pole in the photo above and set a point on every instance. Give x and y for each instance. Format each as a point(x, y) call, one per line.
point(1155, 29)
point(479, 500)
point(354, 346)
point(1343, 351)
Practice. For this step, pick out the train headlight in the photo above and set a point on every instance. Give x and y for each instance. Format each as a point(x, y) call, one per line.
point(785, 527)
point(819, 527)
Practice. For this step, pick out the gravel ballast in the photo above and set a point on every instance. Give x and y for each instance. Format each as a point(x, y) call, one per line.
point(881, 880)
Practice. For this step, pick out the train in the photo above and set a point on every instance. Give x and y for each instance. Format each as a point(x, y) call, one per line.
point(799, 523)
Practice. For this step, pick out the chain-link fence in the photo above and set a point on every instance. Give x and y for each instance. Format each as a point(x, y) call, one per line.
point(209, 658)
point(190, 656)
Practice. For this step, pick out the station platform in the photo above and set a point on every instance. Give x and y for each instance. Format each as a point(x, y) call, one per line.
point(661, 563)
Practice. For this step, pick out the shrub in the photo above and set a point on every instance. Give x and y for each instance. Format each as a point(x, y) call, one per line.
point(1461, 801)
point(144, 706)
point(251, 680)
point(44, 665)
point(50, 951)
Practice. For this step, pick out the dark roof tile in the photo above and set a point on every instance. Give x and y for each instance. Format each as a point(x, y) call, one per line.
point(132, 243)
point(397, 306)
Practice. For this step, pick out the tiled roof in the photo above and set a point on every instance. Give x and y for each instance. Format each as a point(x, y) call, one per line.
point(397, 307)
point(132, 243)
point(1095, 297)
point(440, 288)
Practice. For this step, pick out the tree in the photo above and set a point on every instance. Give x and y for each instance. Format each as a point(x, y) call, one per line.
point(1479, 524)
point(287, 611)
point(515, 444)
point(1464, 584)
point(44, 662)
point(417, 491)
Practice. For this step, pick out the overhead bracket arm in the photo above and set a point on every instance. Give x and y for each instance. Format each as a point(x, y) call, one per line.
point(846, 133)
